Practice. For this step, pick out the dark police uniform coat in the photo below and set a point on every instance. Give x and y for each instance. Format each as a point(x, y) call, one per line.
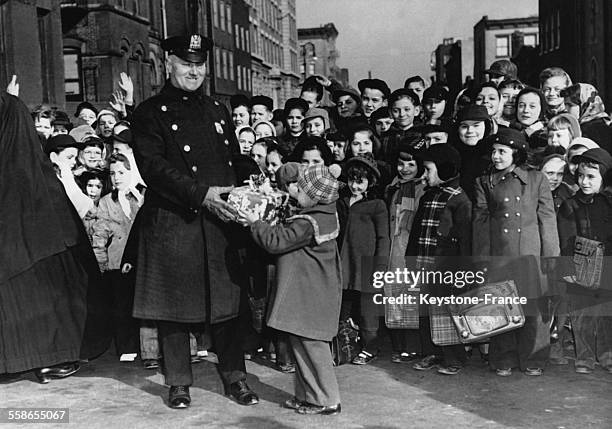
point(188, 266)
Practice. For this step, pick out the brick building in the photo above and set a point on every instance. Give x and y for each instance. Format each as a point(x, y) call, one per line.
point(318, 53)
point(577, 36)
point(493, 40)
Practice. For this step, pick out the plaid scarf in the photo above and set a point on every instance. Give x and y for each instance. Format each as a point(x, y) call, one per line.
point(433, 203)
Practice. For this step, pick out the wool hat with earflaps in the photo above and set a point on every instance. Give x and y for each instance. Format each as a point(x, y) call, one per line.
point(319, 183)
point(446, 158)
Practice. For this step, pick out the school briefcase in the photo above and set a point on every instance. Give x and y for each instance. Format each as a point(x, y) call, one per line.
point(476, 322)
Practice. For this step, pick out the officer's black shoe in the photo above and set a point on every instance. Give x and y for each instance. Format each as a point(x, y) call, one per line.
point(242, 393)
point(179, 397)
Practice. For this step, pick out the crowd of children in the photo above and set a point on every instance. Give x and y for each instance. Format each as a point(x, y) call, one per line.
point(505, 174)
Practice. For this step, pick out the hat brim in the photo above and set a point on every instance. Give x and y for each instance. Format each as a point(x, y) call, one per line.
point(356, 160)
point(191, 56)
point(495, 73)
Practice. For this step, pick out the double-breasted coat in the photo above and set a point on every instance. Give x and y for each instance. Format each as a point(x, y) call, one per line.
point(514, 215)
point(188, 267)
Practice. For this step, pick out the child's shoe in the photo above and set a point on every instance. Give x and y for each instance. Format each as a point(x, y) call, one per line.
point(450, 370)
point(427, 363)
point(363, 358)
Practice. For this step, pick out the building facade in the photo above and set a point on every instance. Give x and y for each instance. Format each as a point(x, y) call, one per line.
point(576, 35)
point(273, 43)
point(318, 53)
point(493, 40)
point(31, 49)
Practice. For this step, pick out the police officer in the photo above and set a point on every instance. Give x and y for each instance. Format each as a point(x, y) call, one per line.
point(188, 269)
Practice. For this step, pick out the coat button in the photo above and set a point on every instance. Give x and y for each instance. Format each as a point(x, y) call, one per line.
point(506, 215)
point(174, 127)
point(505, 230)
point(503, 177)
point(506, 199)
point(518, 230)
point(226, 142)
point(186, 148)
point(194, 168)
point(229, 163)
point(518, 198)
point(185, 98)
point(222, 122)
point(164, 108)
point(518, 214)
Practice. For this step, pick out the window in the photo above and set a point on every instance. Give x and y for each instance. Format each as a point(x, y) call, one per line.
point(231, 65)
point(530, 40)
point(72, 75)
point(502, 46)
point(215, 5)
point(248, 85)
point(228, 16)
point(558, 28)
point(218, 62)
point(222, 16)
point(224, 65)
point(239, 76)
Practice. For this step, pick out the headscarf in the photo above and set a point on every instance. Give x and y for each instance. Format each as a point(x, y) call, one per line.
point(36, 218)
point(591, 105)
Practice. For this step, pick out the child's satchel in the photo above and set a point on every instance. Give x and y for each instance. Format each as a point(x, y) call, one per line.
point(477, 322)
point(588, 261)
point(345, 345)
point(406, 314)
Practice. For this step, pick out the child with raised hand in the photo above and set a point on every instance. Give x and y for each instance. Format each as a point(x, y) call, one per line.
point(116, 214)
point(309, 280)
point(364, 247)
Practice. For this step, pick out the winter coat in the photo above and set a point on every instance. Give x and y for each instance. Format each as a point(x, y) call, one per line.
point(111, 231)
point(598, 131)
point(475, 161)
point(589, 217)
point(514, 216)
point(390, 141)
point(189, 267)
point(306, 298)
point(402, 200)
point(363, 241)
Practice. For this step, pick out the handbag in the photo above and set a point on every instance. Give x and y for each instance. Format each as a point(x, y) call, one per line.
point(588, 261)
point(404, 315)
point(345, 345)
point(484, 319)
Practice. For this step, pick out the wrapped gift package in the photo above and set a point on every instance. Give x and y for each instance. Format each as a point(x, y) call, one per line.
point(261, 199)
point(476, 322)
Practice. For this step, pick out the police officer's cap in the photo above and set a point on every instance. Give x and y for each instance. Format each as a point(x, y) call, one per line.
point(192, 48)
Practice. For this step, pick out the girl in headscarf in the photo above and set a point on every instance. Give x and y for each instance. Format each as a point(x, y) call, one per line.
point(45, 257)
point(584, 103)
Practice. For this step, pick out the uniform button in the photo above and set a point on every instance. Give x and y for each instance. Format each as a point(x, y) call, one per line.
point(229, 163)
point(518, 230)
point(164, 108)
point(216, 103)
point(194, 168)
point(506, 199)
point(503, 177)
point(506, 214)
point(518, 214)
point(222, 122)
point(185, 98)
point(226, 142)
point(505, 230)
point(518, 198)
point(186, 148)
point(174, 127)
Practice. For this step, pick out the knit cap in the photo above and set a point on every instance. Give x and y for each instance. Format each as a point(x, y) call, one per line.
point(319, 184)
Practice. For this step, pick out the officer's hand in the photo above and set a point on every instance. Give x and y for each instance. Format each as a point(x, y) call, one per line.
point(215, 204)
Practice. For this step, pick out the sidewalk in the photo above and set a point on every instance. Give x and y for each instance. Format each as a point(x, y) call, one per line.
point(108, 394)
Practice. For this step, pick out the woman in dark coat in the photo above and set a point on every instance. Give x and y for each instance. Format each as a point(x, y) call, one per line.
point(514, 222)
point(43, 256)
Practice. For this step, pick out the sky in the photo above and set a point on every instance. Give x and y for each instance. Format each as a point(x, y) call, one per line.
point(394, 38)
